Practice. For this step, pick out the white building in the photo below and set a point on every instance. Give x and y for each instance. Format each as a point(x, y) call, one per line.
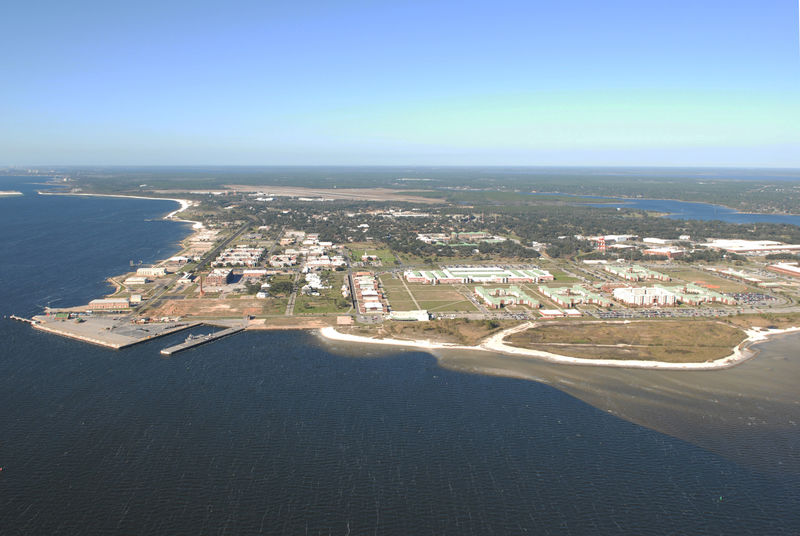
point(155, 271)
point(645, 296)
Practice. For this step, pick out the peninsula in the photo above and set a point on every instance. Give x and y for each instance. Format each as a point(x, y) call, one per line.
point(532, 276)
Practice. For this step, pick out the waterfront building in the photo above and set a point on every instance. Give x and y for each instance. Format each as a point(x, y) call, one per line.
point(109, 304)
point(155, 271)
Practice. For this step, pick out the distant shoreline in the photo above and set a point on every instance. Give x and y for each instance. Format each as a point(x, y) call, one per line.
point(184, 203)
point(602, 198)
point(494, 343)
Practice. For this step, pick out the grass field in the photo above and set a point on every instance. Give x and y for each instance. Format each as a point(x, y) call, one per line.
point(676, 341)
point(399, 298)
point(225, 308)
point(440, 298)
point(329, 301)
point(560, 275)
point(378, 249)
point(692, 275)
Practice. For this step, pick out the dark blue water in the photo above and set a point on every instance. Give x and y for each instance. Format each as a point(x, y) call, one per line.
point(271, 433)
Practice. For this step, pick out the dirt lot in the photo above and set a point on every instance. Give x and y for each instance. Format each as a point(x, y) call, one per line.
point(209, 307)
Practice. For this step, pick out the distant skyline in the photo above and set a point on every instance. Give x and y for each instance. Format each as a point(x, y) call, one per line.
point(529, 83)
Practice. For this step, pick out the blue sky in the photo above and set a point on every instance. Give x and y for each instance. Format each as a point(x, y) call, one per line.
point(444, 83)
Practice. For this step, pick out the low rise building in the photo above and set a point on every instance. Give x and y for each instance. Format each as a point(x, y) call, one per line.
point(477, 274)
point(574, 295)
point(155, 271)
point(410, 316)
point(109, 304)
point(282, 261)
point(219, 277)
point(635, 272)
point(241, 255)
point(495, 298)
point(786, 268)
point(645, 296)
point(752, 247)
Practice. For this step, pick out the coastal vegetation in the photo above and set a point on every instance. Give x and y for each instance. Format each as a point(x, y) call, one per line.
point(674, 341)
point(461, 331)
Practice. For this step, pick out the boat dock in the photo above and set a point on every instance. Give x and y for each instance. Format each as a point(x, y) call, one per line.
point(22, 319)
point(191, 342)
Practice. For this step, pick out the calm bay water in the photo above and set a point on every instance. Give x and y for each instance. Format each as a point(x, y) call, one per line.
point(683, 210)
point(278, 433)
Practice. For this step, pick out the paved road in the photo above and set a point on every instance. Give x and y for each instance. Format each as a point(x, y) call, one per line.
point(293, 296)
point(155, 300)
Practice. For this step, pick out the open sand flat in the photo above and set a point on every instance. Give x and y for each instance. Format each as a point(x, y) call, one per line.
point(359, 194)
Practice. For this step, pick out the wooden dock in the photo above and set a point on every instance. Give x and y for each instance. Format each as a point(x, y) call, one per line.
point(197, 341)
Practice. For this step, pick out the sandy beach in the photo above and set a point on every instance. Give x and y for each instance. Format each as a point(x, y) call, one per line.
point(495, 343)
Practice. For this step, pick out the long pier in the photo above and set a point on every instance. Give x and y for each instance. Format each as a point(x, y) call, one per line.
point(197, 341)
point(22, 319)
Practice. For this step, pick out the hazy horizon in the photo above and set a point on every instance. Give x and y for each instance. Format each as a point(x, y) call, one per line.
point(576, 83)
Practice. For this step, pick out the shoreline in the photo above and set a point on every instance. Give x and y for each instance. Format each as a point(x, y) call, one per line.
point(184, 204)
point(494, 343)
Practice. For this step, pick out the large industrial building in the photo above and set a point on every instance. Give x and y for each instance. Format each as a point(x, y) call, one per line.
point(109, 304)
point(752, 247)
point(155, 271)
point(477, 274)
point(786, 268)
